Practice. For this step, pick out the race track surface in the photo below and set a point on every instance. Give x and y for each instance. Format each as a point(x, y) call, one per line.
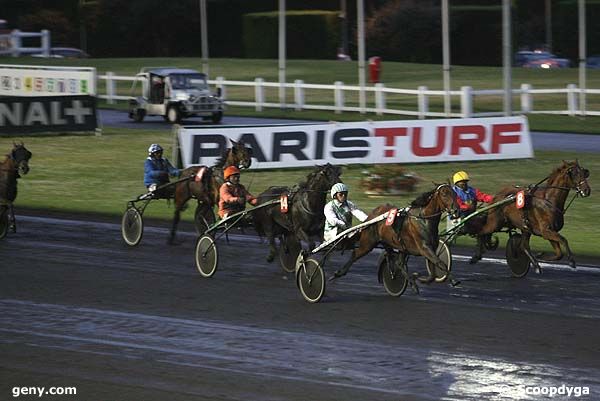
point(80, 308)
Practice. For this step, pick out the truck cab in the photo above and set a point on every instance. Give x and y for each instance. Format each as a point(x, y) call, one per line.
point(175, 94)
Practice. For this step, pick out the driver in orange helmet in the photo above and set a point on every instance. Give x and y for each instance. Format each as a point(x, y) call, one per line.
point(233, 195)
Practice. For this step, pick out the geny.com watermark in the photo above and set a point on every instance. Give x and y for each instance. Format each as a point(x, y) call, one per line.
point(551, 391)
point(42, 391)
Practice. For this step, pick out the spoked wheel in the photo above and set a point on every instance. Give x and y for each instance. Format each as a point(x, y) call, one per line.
point(207, 258)
point(132, 226)
point(3, 221)
point(289, 249)
point(203, 219)
point(310, 279)
point(515, 257)
point(393, 274)
point(443, 252)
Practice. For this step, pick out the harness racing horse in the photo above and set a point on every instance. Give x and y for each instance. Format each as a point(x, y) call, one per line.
point(543, 214)
point(413, 232)
point(304, 218)
point(204, 184)
point(15, 165)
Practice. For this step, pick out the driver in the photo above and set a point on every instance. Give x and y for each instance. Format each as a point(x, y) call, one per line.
point(339, 212)
point(467, 198)
point(233, 195)
point(157, 170)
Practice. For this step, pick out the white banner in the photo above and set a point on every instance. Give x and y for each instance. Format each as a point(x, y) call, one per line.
point(277, 146)
point(31, 80)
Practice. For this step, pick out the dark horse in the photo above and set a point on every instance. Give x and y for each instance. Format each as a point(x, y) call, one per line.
point(543, 214)
point(305, 218)
point(206, 188)
point(14, 166)
point(413, 232)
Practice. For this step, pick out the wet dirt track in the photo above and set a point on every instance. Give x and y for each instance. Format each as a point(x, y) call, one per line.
point(80, 308)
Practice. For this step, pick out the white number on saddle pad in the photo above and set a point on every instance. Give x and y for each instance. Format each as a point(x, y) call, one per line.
point(391, 217)
point(520, 200)
point(283, 202)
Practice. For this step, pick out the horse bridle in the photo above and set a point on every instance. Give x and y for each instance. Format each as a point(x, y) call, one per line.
point(446, 209)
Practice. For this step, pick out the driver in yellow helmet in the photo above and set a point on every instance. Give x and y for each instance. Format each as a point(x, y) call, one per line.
point(467, 196)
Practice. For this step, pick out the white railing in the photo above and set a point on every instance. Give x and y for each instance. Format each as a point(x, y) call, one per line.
point(379, 98)
point(12, 43)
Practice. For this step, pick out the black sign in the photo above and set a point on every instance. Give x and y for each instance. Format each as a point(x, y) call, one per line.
point(20, 115)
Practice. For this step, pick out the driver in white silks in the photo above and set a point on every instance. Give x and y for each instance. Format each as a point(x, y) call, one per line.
point(339, 212)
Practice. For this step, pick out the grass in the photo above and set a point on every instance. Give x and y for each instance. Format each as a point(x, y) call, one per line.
point(99, 174)
point(394, 75)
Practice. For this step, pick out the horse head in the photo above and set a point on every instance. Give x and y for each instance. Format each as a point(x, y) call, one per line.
point(323, 177)
point(572, 176)
point(21, 157)
point(439, 200)
point(239, 155)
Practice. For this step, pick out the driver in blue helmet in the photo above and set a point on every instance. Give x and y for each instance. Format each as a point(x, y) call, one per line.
point(157, 171)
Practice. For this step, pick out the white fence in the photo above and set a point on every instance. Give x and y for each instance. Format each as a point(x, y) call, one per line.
point(379, 98)
point(13, 43)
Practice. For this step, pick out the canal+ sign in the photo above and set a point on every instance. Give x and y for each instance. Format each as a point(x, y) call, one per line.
point(276, 146)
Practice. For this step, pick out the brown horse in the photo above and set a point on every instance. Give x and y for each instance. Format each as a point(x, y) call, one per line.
point(13, 167)
point(206, 188)
point(543, 214)
point(305, 218)
point(413, 232)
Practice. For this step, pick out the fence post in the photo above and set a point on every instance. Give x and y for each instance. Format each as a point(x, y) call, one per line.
point(572, 99)
point(379, 98)
point(466, 101)
point(45, 42)
point(423, 101)
point(526, 99)
point(338, 94)
point(259, 94)
point(110, 87)
point(220, 85)
point(298, 94)
point(15, 39)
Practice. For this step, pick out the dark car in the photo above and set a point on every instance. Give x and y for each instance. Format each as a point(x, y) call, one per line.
point(593, 62)
point(540, 59)
point(65, 52)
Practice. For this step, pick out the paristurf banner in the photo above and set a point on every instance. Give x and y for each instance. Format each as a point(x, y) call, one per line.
point(420, 141)
point(20, 115)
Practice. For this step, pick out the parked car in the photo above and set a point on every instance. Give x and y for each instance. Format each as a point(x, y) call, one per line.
point(593, 62)
point(64, 52)
point(540, 59)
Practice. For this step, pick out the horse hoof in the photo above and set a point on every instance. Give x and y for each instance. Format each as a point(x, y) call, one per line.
point(270, 258)
point(474, 259)
point(538, 270)
point(454, 283)
point(573, 264)
point(12, 228)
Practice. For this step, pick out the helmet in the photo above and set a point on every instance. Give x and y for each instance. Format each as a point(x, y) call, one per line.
point(229, 171)
point(460, 176)
point(339, 187)
point(155, 147)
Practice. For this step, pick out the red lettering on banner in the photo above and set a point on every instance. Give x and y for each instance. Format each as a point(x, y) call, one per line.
point(390, 135)
point(458, 141)
point(421, 151)
point(499, 139)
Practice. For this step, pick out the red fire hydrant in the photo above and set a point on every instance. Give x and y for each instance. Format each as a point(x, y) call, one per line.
point(374, 69)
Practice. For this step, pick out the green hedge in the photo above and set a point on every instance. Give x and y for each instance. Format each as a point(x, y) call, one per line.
point(309, 34)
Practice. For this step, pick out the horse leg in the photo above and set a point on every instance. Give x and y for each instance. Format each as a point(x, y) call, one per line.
point(492, 224)
point(526, 235)
point(558, 242)
point(428, 253)
point(357, 253)
point(12, 223)
point(176, 218)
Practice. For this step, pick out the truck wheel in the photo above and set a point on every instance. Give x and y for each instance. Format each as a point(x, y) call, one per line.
point(138, 115)
point(217, 117)
point(173, 114)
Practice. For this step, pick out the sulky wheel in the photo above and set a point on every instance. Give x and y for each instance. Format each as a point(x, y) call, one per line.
point(3, 221)
point(515, 257)
point(393, 274)
point(289, 249)
point(203, 219)
point(311, 280)
point(132, 226)
point(443, 252)
point(207, 258)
